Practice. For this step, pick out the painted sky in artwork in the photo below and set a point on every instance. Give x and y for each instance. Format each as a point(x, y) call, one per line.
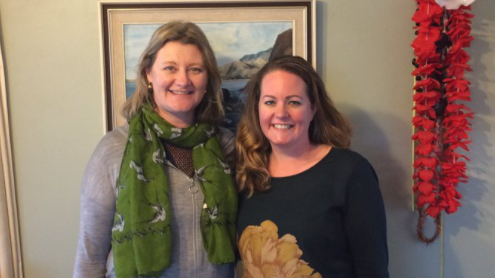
point(230, 41)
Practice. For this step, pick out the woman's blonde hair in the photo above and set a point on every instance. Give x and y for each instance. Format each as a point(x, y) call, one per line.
point(210, 108)
point(253, 148)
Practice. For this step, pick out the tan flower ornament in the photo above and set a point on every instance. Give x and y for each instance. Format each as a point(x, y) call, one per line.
point(265, 255)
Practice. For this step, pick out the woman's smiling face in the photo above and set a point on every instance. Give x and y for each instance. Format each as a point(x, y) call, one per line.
point(285, 110)
point(179, 81)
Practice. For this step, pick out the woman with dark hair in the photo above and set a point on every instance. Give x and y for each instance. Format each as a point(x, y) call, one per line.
point(157, 197)
point(310, 206)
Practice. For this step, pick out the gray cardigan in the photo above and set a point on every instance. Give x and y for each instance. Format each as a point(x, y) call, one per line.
point(98, 196)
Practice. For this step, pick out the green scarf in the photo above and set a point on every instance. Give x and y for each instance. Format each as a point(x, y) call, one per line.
point(141, 234)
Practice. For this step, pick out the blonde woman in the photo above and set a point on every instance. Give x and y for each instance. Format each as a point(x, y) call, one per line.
point(157, 197)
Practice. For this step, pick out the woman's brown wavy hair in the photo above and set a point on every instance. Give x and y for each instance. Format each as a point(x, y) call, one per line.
point(253, 149)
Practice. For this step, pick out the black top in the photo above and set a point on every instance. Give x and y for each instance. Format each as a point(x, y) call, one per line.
point(334, 210)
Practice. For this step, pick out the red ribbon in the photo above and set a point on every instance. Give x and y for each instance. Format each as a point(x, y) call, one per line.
point(441, 121)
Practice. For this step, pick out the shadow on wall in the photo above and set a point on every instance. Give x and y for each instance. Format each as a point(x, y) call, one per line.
point(386, 148)
point(475, 215)
point(372, 142)
point(477, 185)
point(470, 215)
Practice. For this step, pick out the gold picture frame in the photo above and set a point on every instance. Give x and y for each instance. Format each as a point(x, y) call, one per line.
point(118, 16)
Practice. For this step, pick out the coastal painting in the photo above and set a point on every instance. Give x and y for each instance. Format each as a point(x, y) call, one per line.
point(243, 34)
point(241, 49)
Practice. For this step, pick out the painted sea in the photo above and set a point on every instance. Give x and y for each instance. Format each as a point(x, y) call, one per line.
point(130, 87)
point(233, 100)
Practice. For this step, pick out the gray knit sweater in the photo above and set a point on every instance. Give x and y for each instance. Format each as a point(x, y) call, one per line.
point(98, 196)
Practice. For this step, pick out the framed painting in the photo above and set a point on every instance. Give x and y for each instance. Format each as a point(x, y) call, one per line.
point(243, 34)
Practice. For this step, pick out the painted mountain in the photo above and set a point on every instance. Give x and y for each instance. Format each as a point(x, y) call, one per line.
point(249, 64)
point(235, 76)
point(246, 67)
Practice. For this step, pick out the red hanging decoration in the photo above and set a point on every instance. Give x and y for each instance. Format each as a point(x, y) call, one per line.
point(441, 120)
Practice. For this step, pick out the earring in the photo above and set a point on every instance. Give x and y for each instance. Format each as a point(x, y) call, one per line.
point(150, 88)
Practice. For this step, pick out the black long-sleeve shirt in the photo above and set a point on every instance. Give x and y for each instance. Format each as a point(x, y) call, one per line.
point(334, 210)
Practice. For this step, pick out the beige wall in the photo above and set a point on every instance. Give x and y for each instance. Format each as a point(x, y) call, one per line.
point(52, 50)
point(54, 80)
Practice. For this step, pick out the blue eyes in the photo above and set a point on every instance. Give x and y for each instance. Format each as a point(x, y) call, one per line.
point(290, 103)
point(294, 103)
point(174, 69)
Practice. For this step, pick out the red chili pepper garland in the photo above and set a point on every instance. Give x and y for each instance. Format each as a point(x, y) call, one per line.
point(440, 121)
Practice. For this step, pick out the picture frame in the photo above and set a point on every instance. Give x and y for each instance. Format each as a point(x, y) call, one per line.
point(10, 239)
point(119, 18)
